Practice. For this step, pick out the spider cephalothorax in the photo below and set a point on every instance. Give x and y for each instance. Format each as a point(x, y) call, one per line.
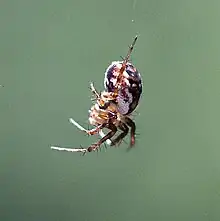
point(105, 114)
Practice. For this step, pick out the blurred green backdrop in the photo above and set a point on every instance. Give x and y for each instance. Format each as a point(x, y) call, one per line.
point(50, 51)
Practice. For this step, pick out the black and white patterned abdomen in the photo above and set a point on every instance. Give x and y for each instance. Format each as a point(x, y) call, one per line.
point(130, 89)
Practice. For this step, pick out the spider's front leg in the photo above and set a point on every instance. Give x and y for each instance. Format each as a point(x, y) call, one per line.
point(109, 135)
point(94, 130)
point(94, 91)
point(89, 132)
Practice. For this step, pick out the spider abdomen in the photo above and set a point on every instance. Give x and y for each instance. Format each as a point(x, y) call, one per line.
point(130, 88)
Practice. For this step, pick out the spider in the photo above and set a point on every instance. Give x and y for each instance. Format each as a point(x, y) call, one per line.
point(114, 105)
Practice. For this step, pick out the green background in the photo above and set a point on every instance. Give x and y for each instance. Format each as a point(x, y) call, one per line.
point(50, 51)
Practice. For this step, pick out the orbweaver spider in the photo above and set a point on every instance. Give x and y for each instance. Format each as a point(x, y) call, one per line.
point(113, 106)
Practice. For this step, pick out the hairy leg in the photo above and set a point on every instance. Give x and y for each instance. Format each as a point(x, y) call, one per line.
point(109, 135)
point(89, 132)
point(94, 91)
point(120, 137)
point(132, 125)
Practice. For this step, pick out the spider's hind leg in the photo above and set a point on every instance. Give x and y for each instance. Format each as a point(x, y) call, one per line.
point(132, 125)
point(122, 135)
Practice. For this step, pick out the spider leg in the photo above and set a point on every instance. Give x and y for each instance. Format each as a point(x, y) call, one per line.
point(109, 135)
point(89, 132)
point(94, 91)
point(122, 135)
point(94, 130)
point(101, 133)
point(132, 125)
